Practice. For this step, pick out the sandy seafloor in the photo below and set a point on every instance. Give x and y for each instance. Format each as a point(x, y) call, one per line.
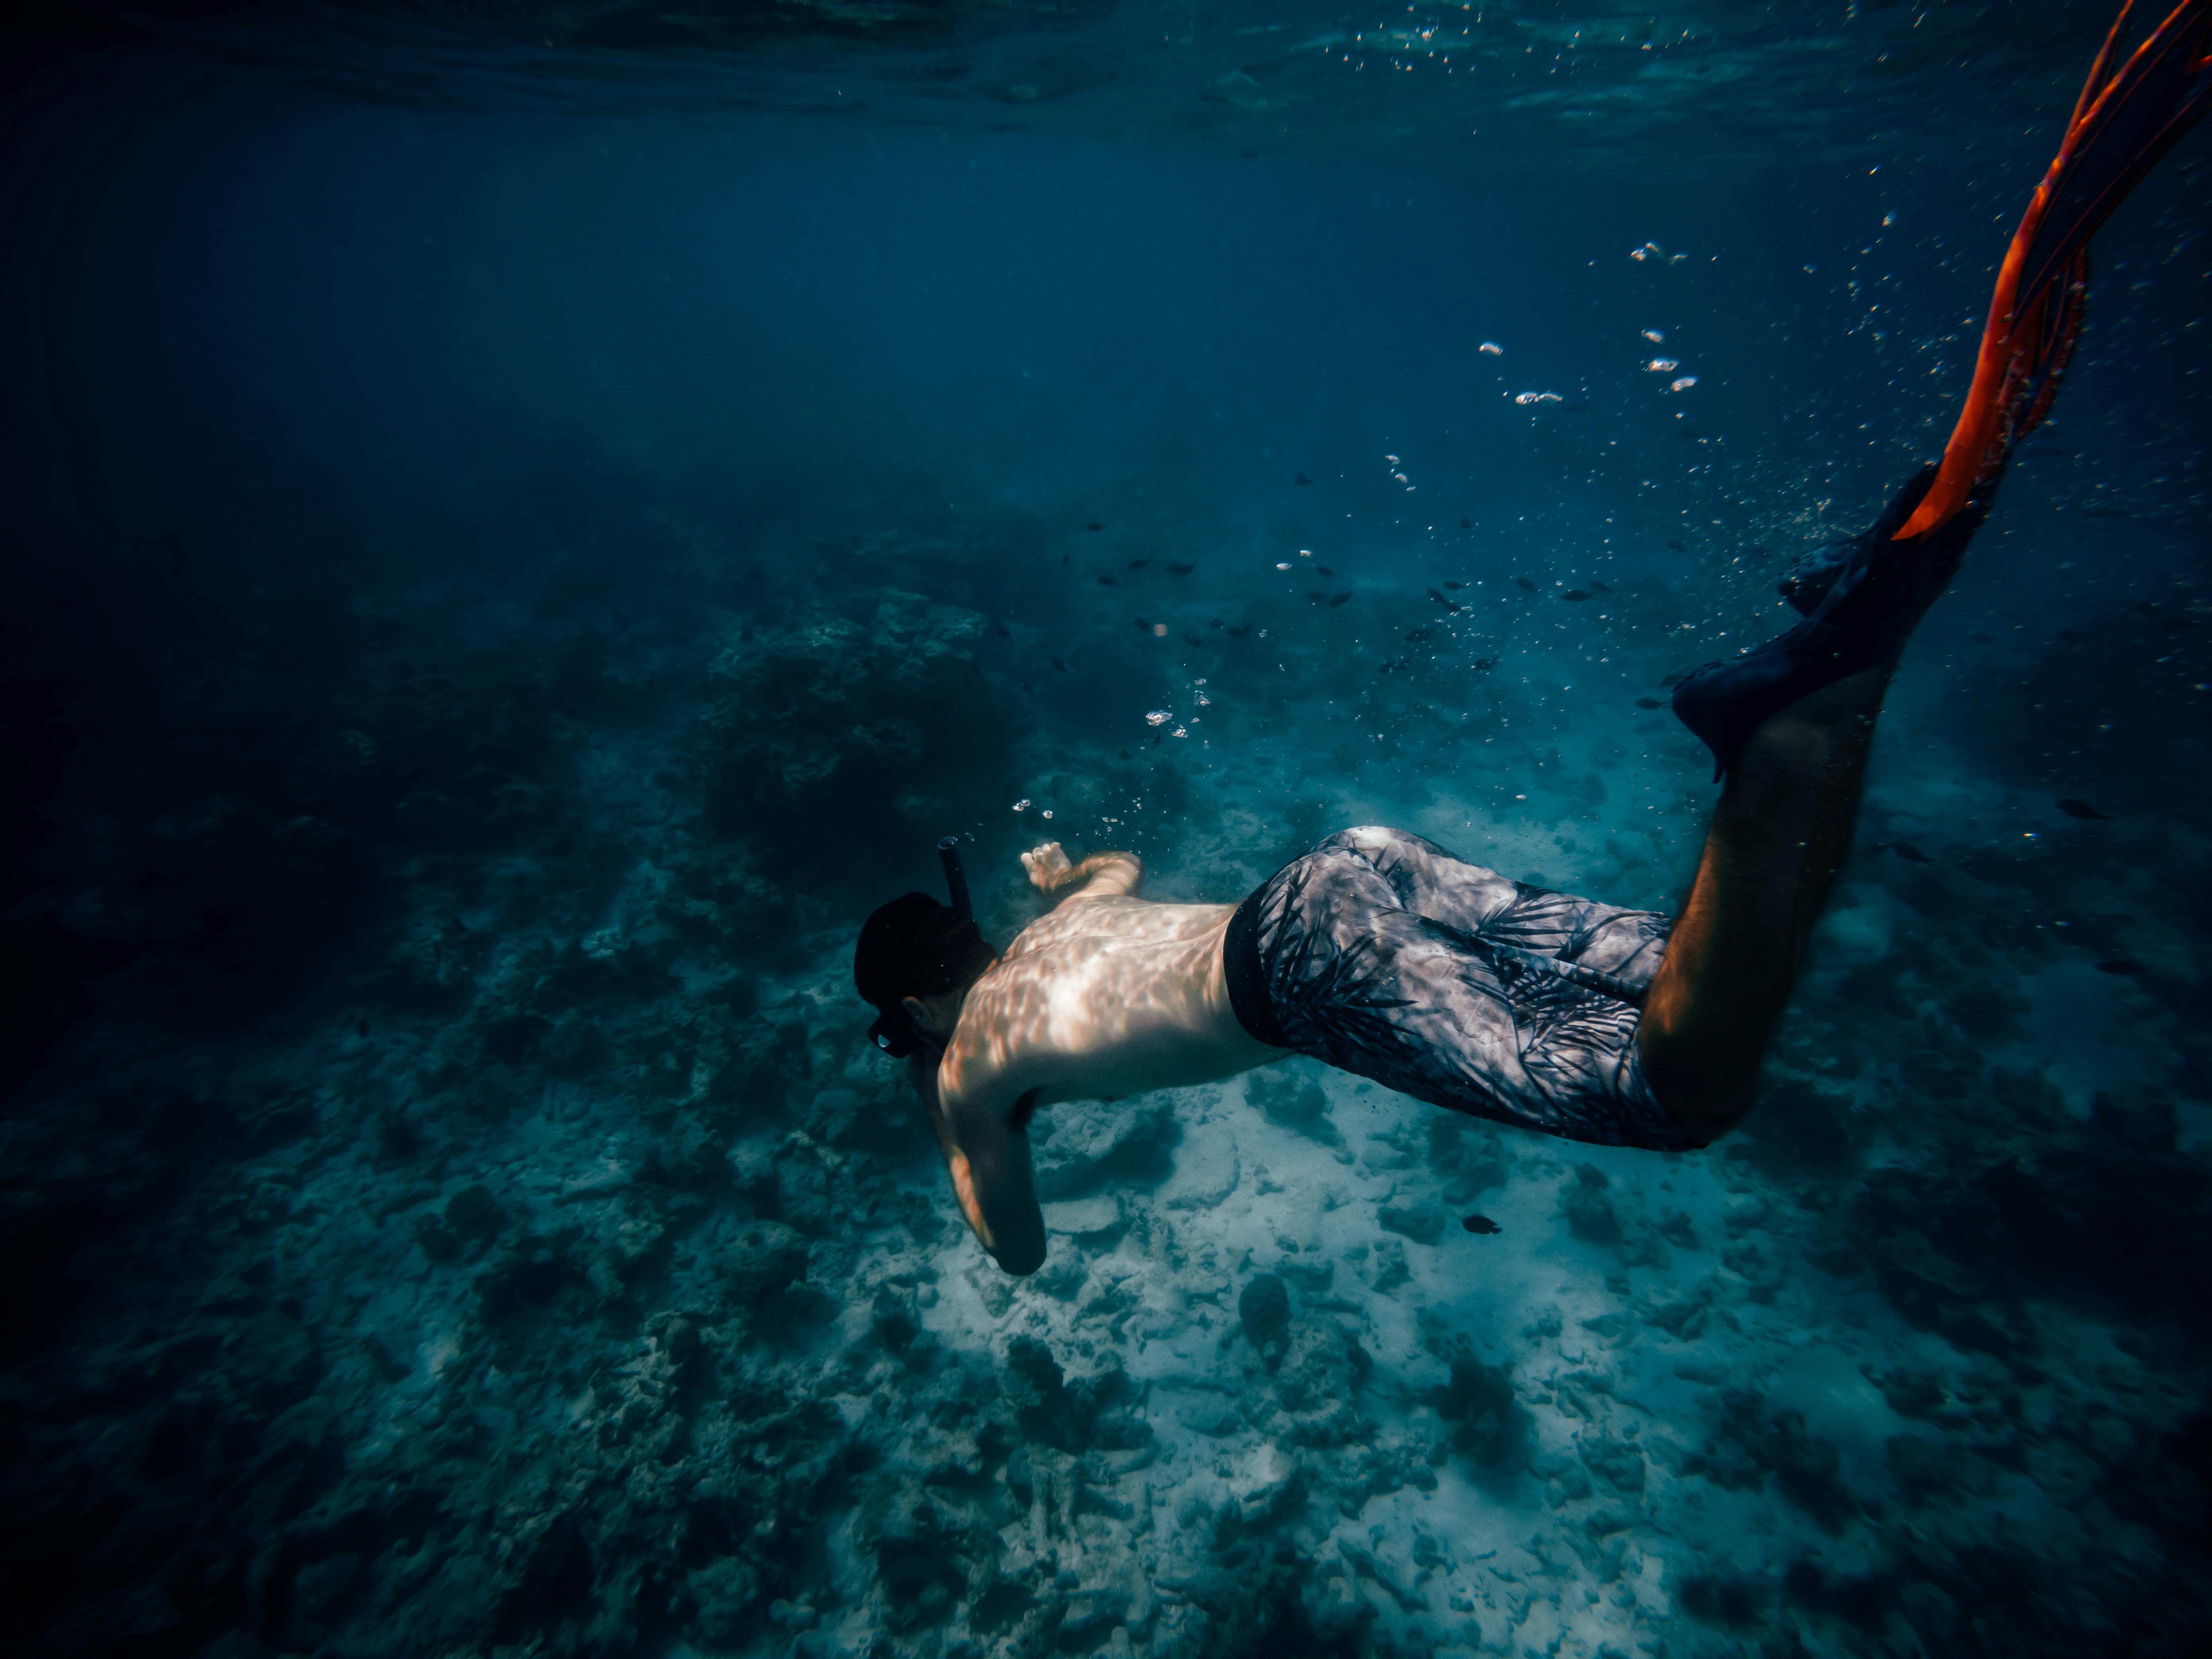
point(452, 1207)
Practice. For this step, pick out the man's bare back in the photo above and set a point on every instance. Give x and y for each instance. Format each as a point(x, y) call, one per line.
point(1106, 996)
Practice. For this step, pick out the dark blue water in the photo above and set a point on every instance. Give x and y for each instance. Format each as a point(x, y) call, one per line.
point(513, 540)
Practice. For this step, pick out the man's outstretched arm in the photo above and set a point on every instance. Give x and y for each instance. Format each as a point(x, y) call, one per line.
point(988, 1155)
point(1103, 875)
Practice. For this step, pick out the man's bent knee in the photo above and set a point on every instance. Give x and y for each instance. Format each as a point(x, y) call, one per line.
point(1703, 1122)
point(1703, 1107)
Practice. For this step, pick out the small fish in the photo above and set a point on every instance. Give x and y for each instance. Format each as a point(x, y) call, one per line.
point(1481, 1224)
point(1682, 385)
point(1454, 587)
point(2127, 965)
point(1661, 366)
point(2081, 809)
point(1301, 478)
point(1491, 348)
point(1524, 584)
point(1138, 564)
point(1142, 626)
point(1002, 631)
point(1760, 552)
point(1323, 570)
point(1181, 569)
point(1058, 664)
point(1481, 663)
point(1094, 526)
point(1239, 631)
point(1420, 634)
point(1649, 703)
point(1677, 546)
point(1340, 600)
point(1909, 852)
point(1575, 595)
point(1449, 604)
point(1066, 559)
point(1107, 581)
point(1192, 639)
point(1655, 337)
point(1467, 524)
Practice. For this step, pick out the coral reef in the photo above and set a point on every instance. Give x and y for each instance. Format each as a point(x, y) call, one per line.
point(453, 1207)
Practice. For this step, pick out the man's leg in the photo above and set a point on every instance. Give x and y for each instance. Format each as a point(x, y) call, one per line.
point(1781, 831)
point(1789, 723)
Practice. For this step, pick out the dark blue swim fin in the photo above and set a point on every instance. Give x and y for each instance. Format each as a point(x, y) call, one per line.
point(2125, 118)
point(1859, 607)
point(1860, 604)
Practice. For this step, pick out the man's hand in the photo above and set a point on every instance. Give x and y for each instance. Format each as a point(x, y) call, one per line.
point(1049, 870)
point(1108, 875)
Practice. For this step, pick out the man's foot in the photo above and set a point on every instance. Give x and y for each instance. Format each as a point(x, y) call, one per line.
point(1859, 606)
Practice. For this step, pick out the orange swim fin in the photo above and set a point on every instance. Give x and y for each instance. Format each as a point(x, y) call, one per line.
point(2121, 123)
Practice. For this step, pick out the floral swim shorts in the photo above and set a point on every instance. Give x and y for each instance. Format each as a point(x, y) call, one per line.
point(1380, 953)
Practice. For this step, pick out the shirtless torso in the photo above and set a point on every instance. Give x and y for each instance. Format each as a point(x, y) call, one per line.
point(1107, 995)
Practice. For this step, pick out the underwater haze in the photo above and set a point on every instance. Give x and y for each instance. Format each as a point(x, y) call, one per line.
point(519, 530)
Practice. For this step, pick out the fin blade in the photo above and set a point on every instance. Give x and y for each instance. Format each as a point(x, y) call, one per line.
point(2122, 126)
point(2157, 95)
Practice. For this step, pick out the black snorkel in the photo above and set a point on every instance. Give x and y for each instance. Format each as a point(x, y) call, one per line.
point(893, 1032)
point(955, 879)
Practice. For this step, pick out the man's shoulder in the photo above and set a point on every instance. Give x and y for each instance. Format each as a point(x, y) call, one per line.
point(1115, 917)
point(1072, 918)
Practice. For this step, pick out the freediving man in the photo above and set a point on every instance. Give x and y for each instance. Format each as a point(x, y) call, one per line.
point(1380, 953)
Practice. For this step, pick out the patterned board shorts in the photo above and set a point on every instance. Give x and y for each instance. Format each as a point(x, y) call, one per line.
point(1380, 953)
